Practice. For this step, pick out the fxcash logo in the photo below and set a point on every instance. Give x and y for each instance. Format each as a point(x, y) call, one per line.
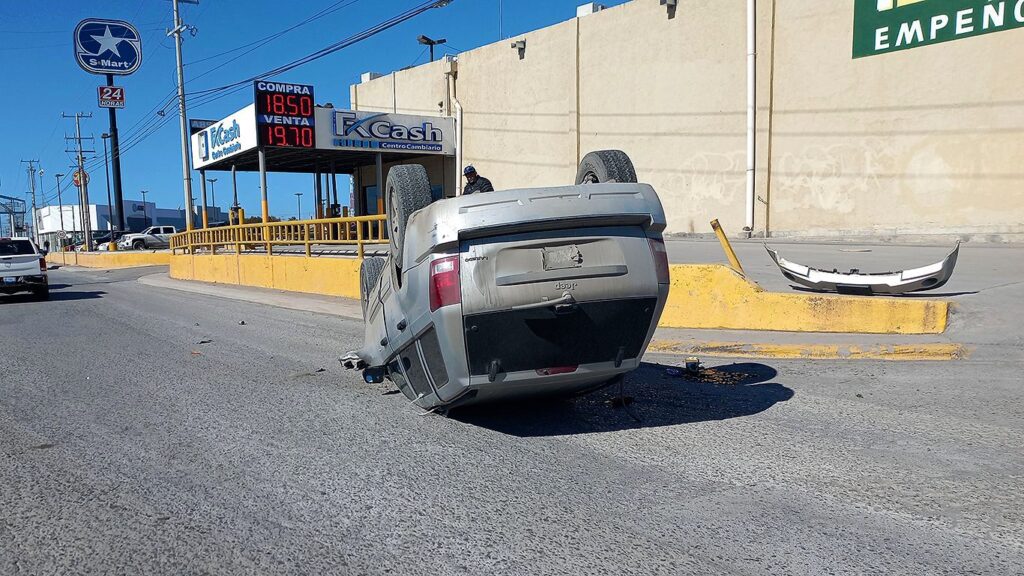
point(934, 21)
point(217, 141)
point(379, 127)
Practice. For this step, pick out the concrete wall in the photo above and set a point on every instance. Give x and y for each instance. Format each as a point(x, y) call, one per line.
point(925, 141)
point(109, 260)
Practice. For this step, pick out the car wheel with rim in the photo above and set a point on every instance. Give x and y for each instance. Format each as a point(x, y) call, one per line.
point(139, 245)
point(605, 166)
point(408, 190)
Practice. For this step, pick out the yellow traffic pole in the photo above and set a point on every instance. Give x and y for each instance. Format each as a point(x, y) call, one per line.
point(724, 241)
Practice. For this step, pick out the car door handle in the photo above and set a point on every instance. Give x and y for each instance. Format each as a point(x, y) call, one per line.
point(565, 299)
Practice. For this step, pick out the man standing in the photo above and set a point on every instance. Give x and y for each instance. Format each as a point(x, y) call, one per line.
point(475, 182)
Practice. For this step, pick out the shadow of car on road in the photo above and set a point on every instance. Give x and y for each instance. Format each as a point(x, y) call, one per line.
point(653, 399)
point(55, 295)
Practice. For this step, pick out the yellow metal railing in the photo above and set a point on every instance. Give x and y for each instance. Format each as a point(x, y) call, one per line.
point(352, 230)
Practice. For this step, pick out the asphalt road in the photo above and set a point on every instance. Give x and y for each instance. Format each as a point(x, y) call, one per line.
point(146, 431)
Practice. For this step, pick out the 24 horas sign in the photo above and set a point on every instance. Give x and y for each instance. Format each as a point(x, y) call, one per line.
point(882, 26)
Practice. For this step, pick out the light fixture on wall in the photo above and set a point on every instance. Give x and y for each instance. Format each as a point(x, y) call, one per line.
point(520, 45)
point(671, 6)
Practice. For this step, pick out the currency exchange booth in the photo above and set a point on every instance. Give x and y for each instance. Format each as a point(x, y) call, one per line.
point(283, 130)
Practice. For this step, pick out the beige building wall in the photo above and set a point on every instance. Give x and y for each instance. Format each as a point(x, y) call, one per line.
point(925, 141)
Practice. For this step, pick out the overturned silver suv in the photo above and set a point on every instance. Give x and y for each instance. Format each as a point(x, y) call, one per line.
point(514, 292)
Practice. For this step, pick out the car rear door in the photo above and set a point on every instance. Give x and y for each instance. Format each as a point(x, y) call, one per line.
point(18, 257)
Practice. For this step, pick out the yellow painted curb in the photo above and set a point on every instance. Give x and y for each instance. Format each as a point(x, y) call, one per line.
point(109, 259)
point(701, 296)
point(930, 351)
point(715, 296)
point(325, 275)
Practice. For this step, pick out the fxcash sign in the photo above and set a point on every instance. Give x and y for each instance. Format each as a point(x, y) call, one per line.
point(222, 141)
point(882, 26)
point(392, 135)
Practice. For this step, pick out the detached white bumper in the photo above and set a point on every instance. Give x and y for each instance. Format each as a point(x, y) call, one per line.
point(854, 282)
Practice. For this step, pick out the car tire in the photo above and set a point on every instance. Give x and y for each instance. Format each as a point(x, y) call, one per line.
point(605, 166)
point(139, 245)
point(369, 273)
point(408, 191)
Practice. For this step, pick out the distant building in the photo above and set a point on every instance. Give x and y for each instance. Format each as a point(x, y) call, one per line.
point(139, 215)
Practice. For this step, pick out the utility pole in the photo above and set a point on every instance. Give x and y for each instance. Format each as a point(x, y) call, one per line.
point(145, 208)
point(179, 27)
point(298, 200)
point(32, 187)
point(60, 204)
point(83, 195)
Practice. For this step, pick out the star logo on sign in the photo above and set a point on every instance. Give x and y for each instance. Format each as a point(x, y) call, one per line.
point(108, 42)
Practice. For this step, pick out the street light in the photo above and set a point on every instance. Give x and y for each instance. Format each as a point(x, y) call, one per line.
point(106, 168)
point(430, 42)
point(212, 192)
point(298, 200)
point(60, 206)
point(145, 208)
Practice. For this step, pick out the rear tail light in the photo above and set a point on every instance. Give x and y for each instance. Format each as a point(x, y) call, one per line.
point(660, 259)
point(42, 264)
point(445, 287)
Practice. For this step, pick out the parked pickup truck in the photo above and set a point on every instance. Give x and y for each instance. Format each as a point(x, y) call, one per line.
point(515, 292)
point(23, 268)
point(152, 237)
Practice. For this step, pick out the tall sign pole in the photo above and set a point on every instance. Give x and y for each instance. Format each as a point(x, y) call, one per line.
point(115, 163)
point(185, 176)
point(109, 48)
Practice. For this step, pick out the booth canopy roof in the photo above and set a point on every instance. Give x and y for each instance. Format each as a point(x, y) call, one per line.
point(306, 161)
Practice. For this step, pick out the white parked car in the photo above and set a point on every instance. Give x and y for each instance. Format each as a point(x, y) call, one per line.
point(23, 268)
point(152, 237)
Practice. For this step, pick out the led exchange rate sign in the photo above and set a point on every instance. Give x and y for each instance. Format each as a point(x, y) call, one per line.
point(284, 114)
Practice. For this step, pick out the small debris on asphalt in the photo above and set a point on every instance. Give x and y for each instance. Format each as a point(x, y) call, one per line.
point(389, 392)
point(321, 369)
point(241, 322)
point(620, 401)
point(197, 353)
point(205, 341)
point(692, 365)
point(197, 323)
point(673, 372)
point(860, 395)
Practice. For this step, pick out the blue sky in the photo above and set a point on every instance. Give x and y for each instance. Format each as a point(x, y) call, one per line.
point(44, 80)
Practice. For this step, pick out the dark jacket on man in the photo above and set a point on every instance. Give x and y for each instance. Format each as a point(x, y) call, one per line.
point(481, 184)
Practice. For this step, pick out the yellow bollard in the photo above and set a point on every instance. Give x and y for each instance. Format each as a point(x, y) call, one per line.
point(733, 260)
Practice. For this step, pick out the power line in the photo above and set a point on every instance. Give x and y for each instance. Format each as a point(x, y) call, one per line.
point(262, 41)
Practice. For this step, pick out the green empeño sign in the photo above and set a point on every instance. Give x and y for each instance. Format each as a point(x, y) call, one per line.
point(882, 26)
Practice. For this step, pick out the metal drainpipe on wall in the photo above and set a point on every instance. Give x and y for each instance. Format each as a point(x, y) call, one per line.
point(454, 91)
point(751, 113)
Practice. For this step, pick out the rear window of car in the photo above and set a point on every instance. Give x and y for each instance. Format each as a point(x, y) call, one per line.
point(16, 248)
